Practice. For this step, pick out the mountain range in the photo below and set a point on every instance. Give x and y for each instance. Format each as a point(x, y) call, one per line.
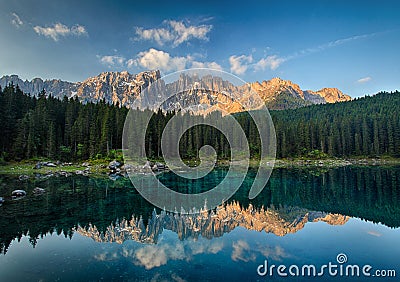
point(206, 93)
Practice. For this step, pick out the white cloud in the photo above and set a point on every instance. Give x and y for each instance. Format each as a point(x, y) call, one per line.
point(241, 251)
point(159, 35)
point(239, 64)
point(157, 59)
point(205, 246)
point(329, 45)
point(345, 40)
point(131, 63)
point(364, 79)
point(78, 30)
point(57, 30)
point(151, 256)
point(275, 253)
point(272, 62)
point(161, 60)
point(211, 65)
point(374, 233)
point(16, 20)
point(175, 32)
point(155, 255)
point(186, 33)
point(112, 60)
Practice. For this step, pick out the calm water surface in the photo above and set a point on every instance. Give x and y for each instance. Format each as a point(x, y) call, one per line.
point(97, 229)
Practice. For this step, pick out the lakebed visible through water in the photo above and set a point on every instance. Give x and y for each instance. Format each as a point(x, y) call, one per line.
point(89, 228)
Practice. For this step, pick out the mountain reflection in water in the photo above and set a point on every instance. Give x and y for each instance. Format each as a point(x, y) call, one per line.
point(211, 224)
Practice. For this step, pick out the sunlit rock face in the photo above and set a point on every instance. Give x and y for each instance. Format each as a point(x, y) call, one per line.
point(332, 95)
point(281, 94)
point(120, 88)
point(212, 224)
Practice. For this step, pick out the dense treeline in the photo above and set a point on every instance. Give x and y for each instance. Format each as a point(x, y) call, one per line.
point(368, 126)
point(68, 130)
point(57, 129)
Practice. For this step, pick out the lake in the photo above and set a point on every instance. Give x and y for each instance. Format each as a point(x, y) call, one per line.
point(320, 224)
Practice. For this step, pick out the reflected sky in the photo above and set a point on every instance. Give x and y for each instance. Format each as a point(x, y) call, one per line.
point(233, 256)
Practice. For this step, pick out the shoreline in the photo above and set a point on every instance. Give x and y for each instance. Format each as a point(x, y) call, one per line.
point(332, 163)
point(100, 168)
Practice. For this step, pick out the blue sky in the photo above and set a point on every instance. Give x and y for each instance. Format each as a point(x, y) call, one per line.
point(352, 45)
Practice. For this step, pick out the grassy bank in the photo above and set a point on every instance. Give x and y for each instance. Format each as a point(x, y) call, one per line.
point(99, 168)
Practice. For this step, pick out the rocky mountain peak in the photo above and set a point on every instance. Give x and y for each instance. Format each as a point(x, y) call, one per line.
point(115, 87)
point(281, 94)
point(332, 95)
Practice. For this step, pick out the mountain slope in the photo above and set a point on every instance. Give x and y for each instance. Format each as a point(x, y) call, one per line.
point(280, 94)
point(54, 87)
point(115, 87)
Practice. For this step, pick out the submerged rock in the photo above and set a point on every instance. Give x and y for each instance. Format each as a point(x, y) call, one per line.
point(63, 173)
point(114, 176)
point(82, 172)
point(46, 175)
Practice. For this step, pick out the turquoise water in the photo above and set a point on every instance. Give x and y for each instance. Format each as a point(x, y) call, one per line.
point(96, 229)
